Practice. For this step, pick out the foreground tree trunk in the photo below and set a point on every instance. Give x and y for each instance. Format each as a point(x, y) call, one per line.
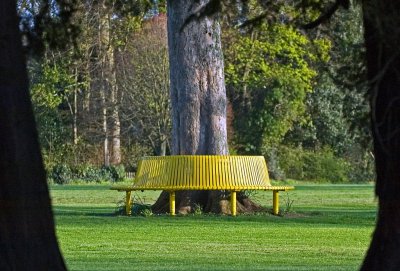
point(198, 98)
point(27, 235)
point(382, 37)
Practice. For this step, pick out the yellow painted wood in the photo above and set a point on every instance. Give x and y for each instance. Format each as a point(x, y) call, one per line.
point(275, 202)
point(128, 203)
point(233, 203)
point(172, 203)
point(202, 172)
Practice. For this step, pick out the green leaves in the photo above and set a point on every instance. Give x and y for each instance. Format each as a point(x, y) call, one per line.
point(52, 86)
point(272, 69)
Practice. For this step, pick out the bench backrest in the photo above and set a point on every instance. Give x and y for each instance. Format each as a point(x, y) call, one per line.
point(202, 172)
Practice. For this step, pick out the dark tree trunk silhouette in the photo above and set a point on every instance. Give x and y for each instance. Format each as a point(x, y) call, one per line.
point(27, 234)
point(198, 99)
point(382, 39)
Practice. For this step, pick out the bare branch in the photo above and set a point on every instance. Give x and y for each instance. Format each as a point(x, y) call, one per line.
point(208, 9)
point(328, 14)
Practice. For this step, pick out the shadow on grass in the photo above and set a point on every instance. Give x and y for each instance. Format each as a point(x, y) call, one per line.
point(317, 218)
point(72, 187)
point(334, 187)
point(83, 211)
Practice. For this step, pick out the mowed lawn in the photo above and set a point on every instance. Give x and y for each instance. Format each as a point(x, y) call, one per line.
point(328, 228)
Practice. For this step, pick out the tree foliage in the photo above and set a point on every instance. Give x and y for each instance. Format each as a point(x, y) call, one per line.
point(144, 75)
point(49, 90)
point(287, 87)
point(270, 73)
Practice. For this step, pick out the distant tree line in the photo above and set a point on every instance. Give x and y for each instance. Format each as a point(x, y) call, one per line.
point(104, 99)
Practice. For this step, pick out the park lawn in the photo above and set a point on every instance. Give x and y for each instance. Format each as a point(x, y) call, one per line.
point(328, 228)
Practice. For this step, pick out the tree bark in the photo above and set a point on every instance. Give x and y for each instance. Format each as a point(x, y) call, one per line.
point(110, 87)
point(27, 234)
point(106, 152)
point(382, 38)
point(116, 157)
point(198, 96)
point(115, 129)
point(107, 83)
point(75, 118)
point(197, 87)
point(74, 111)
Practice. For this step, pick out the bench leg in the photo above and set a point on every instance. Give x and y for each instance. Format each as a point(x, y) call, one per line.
point(233, 203)
point(172, 203)
point(128, 203)
point(275, 202)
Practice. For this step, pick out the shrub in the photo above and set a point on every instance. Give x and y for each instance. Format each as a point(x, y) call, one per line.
point(146, 212)
point(141, 209)
point(320, 166)
point(116, 173)
point(90, 173)
point(291, 161)
point(61, 174)
point(197, 209)
point(361, 173)
point(324, 166)
point(64, 174)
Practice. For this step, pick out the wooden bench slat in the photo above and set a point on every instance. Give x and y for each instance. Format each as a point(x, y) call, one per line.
point(203, 172)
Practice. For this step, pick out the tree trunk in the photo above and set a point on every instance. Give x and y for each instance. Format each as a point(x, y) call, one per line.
point(115, 120)
point(115, 137)
point(75, 112)
point(382, 38)
point(198, 97)
point(197, 87)
point(27, 235)
point(163, 147)
point(111, 121)
point(106, 152)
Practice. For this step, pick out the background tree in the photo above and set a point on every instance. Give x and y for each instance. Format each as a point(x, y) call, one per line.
point(103, 87)
point(55, 86)
point(337, 109)
point(270, 72)
point(143, 70)
point(93, 100)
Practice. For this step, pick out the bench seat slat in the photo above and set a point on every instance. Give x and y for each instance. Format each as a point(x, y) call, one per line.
point(177, 188)
point(202, 172)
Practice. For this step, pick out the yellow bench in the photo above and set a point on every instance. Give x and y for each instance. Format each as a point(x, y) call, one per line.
point(202, 172)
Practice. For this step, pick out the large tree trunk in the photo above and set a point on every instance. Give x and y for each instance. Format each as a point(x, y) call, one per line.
point(198, 97)
point(197, 87)
point(382, 37)
point(27, 235)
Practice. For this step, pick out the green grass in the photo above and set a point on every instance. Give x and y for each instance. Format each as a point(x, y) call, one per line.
point(328, 228)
